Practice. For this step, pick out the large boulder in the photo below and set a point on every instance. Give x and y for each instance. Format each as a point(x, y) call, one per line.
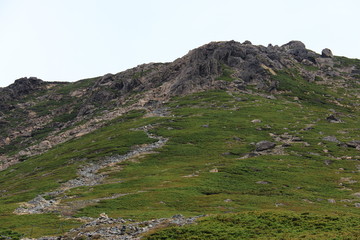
point(299, 51)
point(264, 145)
point(326, 53)
point(354, 144)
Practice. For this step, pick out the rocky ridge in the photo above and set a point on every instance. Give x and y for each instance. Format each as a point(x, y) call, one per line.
point(147, 87)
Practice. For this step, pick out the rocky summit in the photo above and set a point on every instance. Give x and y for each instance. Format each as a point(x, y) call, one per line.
point(234, 140)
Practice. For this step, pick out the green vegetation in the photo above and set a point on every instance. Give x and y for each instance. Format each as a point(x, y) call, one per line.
point(302, 189)
point(206, 131)
point(226, 73)
point(8, 234)
point(294, 85)
point(346, 62)
point(265, 225)
point(70, 87)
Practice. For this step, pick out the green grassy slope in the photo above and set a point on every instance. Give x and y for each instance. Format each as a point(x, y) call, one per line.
point(203, 168)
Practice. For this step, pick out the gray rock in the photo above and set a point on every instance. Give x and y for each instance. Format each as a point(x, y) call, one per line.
point(326, 53)
point(333, 119)
point(264, 145)
point(331, 139)
point(263, 182)
point(293, 45)
point(256, 121)
point(327, 162)
point(299, 51)
point(353, 144)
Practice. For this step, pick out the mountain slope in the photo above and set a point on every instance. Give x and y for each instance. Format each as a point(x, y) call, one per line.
point(228, 128)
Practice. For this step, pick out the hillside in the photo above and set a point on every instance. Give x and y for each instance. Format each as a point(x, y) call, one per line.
point(234, 140)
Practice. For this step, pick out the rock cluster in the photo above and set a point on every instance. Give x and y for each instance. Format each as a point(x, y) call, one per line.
point(105, 227)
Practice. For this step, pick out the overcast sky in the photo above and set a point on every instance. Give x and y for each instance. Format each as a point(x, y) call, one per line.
point(68, 40)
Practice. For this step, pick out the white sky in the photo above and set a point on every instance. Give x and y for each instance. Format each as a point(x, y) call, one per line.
point(68, 40)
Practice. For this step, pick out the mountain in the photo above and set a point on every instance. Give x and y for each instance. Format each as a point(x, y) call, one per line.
point(233, 140)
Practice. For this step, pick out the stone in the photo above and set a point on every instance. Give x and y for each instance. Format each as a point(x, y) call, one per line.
point(293, 45)
point(256, 121)
point(326, 53)
point(327, 162)
point(7, 141)
point(247, 42)
point(263, 182)
point(45, 144)
point(331, 200)
point(331, 139)
point(332, 119)
point(357, 194)
point(264, 145)
point(353, 144)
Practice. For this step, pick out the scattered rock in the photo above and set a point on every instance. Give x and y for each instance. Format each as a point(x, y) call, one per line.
point(264, 145)
point(357, 205)
point(331, 200)
point(88, 175)
point(123, 229)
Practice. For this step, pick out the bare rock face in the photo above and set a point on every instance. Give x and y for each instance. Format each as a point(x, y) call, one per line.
point(203, 68)
point(326, 53)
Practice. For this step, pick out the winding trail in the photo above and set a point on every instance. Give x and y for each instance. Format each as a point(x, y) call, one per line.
point(88, 175)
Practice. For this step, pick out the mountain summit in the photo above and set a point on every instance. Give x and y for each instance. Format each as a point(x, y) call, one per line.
point(269, 134)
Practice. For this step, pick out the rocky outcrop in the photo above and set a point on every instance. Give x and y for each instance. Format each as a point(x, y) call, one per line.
point(20, 88)
point(203, 68)
point(326, 53)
